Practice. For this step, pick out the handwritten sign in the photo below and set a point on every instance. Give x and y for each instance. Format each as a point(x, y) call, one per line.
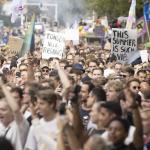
point(124, 45)
point(54, 44)
point(15, 45)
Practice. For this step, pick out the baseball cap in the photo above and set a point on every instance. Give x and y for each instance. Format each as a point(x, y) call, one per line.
point(78, 67)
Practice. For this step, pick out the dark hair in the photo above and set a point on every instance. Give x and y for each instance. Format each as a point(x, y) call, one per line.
point(90, 85)
point(136, 96)
point(101, 69)
point(100, 93)
point(132, 80)
point(64, 61)
point(76, 71)
point(2, 59)
point(129, 70)
point(18, 90)
point(93, 60)
point(113, 107)
point(6, 144)
point(124, 123)
point(112, 58)
point(141, 71)
point(13, 62)
point(48, 96)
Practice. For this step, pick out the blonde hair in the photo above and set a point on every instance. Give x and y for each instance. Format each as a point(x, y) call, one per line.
point(115, 84)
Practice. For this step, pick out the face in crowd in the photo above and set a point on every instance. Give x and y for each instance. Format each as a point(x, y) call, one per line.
point(142, 75)
point(118, 130)
point(97, 73)
point(94, 114)
point(113, 89)
point(84, 92)
point(45, 72)
point(6, 115)
point(92, 65)
point(118, 68)
point(70, 58)
point(134, 85)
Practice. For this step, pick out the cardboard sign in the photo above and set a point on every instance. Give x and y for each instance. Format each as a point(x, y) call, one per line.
point(15, 45)
point(124, 45)
point(141, 27)
point(54, 44)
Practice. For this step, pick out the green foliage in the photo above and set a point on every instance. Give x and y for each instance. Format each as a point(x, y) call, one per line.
point(113, 8)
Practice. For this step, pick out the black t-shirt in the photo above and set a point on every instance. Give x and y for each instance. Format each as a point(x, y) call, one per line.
point(84, 114)
point(122, 146)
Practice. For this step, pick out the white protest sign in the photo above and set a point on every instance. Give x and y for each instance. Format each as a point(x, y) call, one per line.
point(144, 55)
point(54, 44)
point(124, 45)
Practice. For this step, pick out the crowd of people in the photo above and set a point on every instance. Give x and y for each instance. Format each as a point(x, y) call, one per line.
point(84, 101)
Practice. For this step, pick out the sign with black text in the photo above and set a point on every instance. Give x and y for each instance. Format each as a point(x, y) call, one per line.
point(124, 45)
point(54, 44)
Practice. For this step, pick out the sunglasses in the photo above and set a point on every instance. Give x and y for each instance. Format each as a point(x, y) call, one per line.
point(45, 70)
point(123, 75)
point(136, 87)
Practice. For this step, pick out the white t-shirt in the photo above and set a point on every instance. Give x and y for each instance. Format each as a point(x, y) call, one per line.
point(42, 135)
point(16, 133)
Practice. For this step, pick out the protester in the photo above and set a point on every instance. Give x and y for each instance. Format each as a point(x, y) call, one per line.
point(76, 96)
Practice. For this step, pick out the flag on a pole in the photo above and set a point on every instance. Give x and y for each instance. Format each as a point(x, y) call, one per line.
point(29, 38)
point(16, 10)
point(132, 17)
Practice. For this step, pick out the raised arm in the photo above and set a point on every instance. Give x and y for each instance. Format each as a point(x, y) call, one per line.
point(63, 77)
point(138, 135)
point(70, 136)
point(12, 104)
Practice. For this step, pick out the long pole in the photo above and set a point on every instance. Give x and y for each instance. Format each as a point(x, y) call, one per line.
point(147, 29)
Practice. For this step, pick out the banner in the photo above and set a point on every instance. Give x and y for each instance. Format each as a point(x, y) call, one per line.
point(17, 9)
point(131, 17)
point(141, 27)
point(124, 45)
point(15, 45)
point(28, 44)
point(54, 44)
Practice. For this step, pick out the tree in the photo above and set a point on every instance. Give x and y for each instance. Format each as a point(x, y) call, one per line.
point(113, 8)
